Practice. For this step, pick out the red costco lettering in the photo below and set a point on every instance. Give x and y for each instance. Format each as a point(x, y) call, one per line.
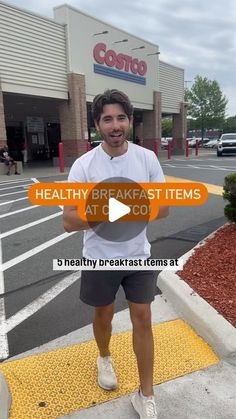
point(134, 66)
point(120, 61)
point(110, 58)
point(142, 68)
point(97, 53)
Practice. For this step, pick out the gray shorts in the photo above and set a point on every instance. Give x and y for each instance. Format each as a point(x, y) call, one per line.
point(99, 288)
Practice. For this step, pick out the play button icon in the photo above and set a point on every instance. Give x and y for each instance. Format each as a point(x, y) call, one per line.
point(114, 205)
point(117, 210)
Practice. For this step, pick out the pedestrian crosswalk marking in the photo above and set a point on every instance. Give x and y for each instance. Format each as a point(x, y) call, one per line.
point(212, 189)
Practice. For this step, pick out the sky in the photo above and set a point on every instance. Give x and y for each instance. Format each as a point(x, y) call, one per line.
point(196, 35)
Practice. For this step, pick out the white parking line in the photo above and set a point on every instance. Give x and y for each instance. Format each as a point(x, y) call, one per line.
point(14, 200)
point(18, 199)
point(14, 187)
point(9, 324)
point(191, 166)
point(32, 252)
point(32, 224)
point(8, 214)
point(12, 193)
point(10, 182)
point(4, 349)
point(219, 167)
point(41, 301)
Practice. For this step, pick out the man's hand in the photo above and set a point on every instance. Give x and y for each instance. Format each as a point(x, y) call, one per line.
point(163, 212)
point(72, 222)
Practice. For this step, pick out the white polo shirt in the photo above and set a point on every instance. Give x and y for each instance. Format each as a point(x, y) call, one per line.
point(138, 164)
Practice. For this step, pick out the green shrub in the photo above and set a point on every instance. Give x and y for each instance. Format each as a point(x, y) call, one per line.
point(230, 213)
point(229, 194)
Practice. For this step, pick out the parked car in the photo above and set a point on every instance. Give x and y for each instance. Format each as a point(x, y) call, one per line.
point(192, 142)
point(211, 144)
point(165, 141)
point(95, 143)
point(205, 141)
point(226, 144)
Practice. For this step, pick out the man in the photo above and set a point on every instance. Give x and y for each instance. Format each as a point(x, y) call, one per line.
point(8, 160)
point(116, 157)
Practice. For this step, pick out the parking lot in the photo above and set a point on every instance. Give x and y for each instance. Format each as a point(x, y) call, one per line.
point(40, 304)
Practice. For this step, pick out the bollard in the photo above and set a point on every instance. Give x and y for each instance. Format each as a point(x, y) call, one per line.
point(196, 148)
point(186, 148)
point(169, 149)
point(61, 157)
point(156, 147)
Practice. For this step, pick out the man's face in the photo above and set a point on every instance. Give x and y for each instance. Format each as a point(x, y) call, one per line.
point(114, 125)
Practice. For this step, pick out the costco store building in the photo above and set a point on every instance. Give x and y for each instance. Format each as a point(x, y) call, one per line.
point(51, 69)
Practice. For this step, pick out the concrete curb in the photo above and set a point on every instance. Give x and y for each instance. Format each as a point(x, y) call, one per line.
point(5, 398)
point(207, 322)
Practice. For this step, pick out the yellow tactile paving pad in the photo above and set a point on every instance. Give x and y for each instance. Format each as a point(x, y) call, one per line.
point(56, 383)
point(213, 189)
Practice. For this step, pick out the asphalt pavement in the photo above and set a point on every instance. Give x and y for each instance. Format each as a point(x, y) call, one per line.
point(208, 393)
point(35, 310)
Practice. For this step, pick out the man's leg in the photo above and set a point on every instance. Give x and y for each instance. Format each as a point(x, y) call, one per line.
point(8, 168)
point(102, 331)
point(143, 345)
point(15, 164)
point(102, 328)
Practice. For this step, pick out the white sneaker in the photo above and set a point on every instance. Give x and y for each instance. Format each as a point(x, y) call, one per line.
point(106, 374)
point(145, 407)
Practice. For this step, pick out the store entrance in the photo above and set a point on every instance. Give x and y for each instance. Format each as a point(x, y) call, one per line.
point(54, 137)
point(15, 142)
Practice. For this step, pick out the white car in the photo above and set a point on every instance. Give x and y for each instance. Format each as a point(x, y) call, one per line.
point(211, 144)
point(192, 142)
point(165, 141)
point(226, 144)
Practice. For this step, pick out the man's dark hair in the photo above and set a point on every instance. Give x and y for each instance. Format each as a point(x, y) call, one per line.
point(110, 97)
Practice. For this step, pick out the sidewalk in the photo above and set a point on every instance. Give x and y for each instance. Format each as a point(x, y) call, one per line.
point(206, 393)
point(35, 170)
point(45, 169)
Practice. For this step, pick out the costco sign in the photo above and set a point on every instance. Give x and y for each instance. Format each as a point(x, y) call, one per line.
point(121, 66)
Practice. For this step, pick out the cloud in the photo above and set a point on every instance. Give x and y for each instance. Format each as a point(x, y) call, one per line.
point(194, 34)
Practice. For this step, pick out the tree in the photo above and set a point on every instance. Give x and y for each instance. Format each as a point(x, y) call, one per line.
point(166, 127)
point(207, 104)
point(230, 124)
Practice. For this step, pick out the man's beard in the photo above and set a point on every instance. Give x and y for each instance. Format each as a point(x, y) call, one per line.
point(115, 143)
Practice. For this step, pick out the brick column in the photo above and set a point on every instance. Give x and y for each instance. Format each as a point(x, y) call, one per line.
point(179, 130)
point(73, 119)
point(152, 123)
point(3, 135)
point(139, 130)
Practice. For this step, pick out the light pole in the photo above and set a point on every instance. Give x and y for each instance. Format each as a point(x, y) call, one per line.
point(122, 40)
point(141, 47)
point(154, 53)
point(100, 33)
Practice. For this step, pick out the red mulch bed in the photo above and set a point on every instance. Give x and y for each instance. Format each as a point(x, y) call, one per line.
point(211, 271)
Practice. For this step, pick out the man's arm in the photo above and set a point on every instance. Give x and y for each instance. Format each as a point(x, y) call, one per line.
point(71, 220)
point(163, 212)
